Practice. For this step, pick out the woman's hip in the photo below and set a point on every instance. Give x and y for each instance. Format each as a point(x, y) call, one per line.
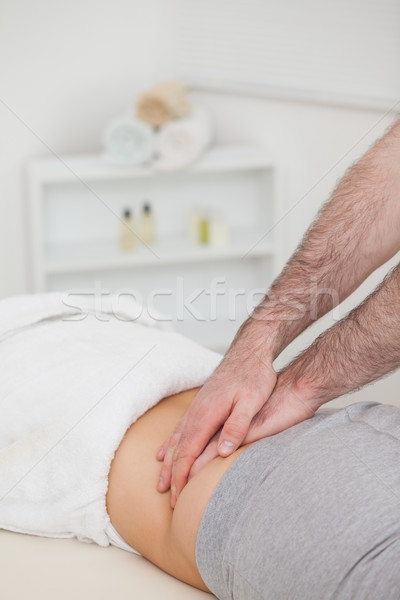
point(312, 512)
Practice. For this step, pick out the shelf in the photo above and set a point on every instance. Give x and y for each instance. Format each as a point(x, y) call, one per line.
point(93, 167)
point(106, 255)
point(75, 244)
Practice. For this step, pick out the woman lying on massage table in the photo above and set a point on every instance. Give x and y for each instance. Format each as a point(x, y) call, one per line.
point(88, 398)
point(313, 512)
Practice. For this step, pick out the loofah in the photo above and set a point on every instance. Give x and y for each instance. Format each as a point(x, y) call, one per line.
point(163, 103)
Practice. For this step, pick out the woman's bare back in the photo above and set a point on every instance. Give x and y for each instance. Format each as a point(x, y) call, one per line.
point(143, 516)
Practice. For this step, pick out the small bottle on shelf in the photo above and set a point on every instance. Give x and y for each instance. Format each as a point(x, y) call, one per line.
point(147, 229)
point(204, 234)
point(219, 234)
point(208, 227)
point(127, 237)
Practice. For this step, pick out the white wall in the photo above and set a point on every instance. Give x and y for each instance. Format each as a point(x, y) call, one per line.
point(67, 67)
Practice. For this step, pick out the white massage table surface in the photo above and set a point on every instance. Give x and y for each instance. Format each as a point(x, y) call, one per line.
point(42, 568)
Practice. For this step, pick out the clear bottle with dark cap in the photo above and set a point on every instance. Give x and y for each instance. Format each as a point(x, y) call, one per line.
point(127, 237)
point(147, 227)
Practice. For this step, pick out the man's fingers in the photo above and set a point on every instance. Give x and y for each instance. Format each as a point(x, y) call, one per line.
point(162, 450)
point(205, 457)
point(167, 451)
point(209, 410)
point(166, 470)
point(186, 443)
point(180, 472)
point(236, 427)
point(190, 447)
point(172, 441)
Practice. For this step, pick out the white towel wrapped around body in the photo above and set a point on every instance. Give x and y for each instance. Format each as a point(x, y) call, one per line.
point(182, 141)
point(128, 141)
point(72, 382)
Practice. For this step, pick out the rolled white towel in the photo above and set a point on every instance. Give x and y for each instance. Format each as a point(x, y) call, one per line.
point(182, 141)
point(128, 141)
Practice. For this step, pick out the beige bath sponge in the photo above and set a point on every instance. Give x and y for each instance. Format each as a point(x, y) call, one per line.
point(163, 103)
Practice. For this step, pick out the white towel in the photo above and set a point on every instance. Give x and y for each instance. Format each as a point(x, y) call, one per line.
point(182, 141)
point(72, 383)
point(128, 141)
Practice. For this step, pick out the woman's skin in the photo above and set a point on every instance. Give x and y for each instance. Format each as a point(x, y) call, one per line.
point(143, 516)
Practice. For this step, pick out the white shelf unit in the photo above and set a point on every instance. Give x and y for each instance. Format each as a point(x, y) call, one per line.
point(75, 205)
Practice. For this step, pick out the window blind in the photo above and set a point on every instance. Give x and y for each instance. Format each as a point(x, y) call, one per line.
point(336, 51)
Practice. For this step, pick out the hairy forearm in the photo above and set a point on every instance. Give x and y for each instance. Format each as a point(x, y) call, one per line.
point(359, 349)
point(355, 232)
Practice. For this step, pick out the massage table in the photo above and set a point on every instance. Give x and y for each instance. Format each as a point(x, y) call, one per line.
point(36, 568)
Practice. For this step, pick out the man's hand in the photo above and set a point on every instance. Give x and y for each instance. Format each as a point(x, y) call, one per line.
point(230, 398)
point(359, 349)
point(284, 408)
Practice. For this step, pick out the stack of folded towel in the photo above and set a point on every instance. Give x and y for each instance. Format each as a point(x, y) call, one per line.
point(74, 377)
point(168, 131)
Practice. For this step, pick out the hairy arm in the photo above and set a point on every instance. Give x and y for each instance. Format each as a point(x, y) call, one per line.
point(355, 232)
point(360, 348)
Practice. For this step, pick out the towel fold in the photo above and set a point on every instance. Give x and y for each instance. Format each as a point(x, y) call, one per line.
point(73, 379)
point(163, 103)
point(19, 312)
point(181, 142)
point(128, 141)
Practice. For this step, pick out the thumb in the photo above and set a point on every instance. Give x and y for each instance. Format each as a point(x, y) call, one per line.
point(237, 425)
